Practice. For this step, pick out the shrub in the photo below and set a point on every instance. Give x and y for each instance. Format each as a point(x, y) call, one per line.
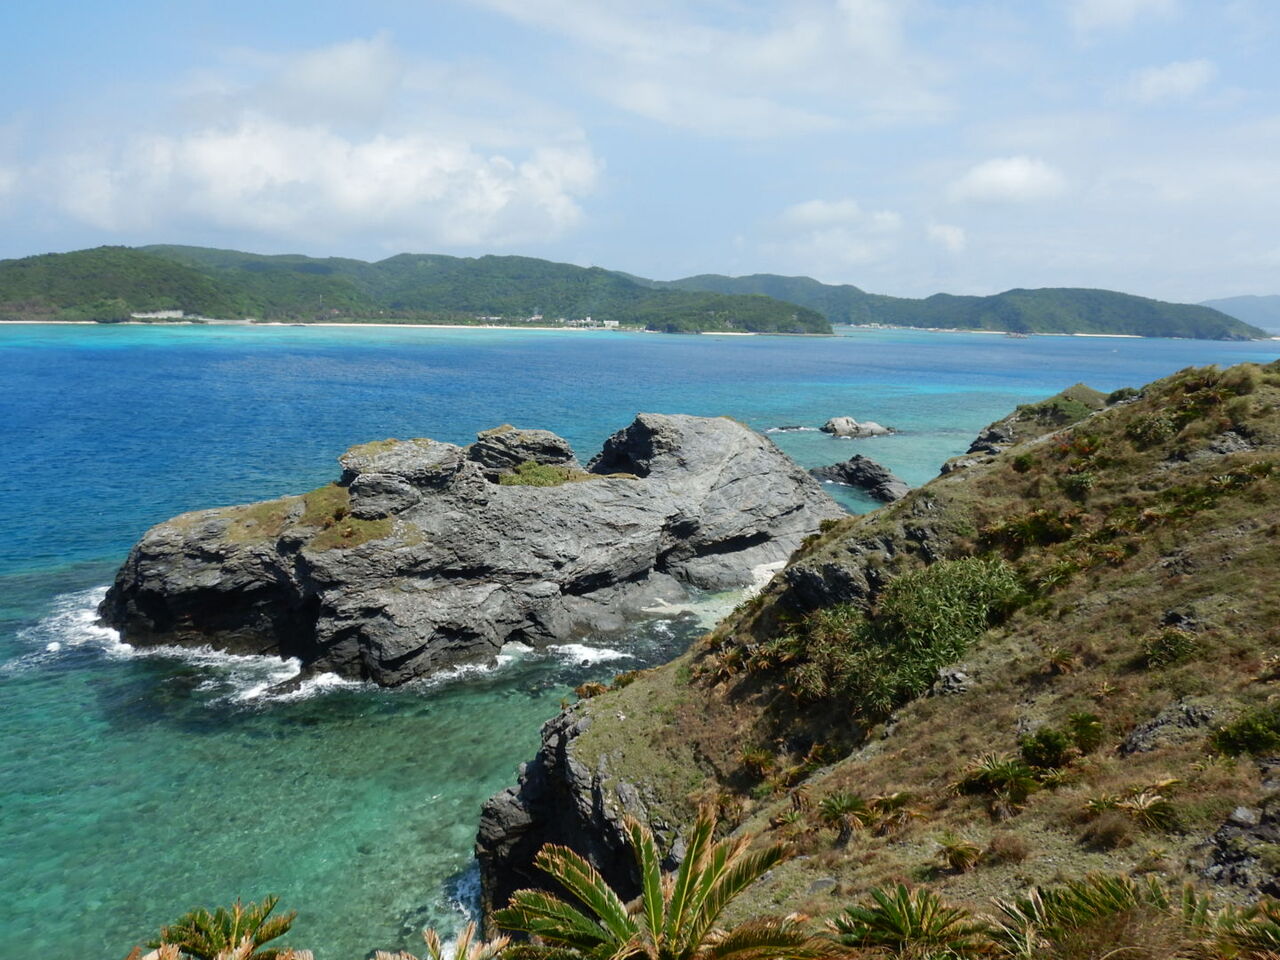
point(915, 923)
point(1006, 848)
point(758, 760)
point(1151, 429)
point(1256, 732)
point(1046, 749)
point(993, 775)
point(1109, 831)
point(1124, 393)
point(1169, 647)
point(625, 679)
point(1078, 485)
point(1023, 462)
point(1086, 731)
point(957, 853)
point(844, 812)
point(586, 691)
point(924, 620)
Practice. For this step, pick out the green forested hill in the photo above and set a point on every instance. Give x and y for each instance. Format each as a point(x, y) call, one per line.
point(109, 283)
point(1049, 310)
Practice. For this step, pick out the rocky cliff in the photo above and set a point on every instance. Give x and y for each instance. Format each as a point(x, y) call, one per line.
point(1061, 653)
point(425, 554)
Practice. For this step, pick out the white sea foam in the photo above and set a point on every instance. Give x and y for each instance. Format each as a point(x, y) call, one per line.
point(248, 679)
point(791, 430)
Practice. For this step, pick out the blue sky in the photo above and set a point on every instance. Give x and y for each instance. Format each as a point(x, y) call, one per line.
point(906, 146)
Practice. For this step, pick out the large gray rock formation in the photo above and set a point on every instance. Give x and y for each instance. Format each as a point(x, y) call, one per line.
point(865, 474)
point(420, 557)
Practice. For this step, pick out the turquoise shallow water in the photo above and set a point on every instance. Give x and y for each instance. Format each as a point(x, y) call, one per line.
point(132, 788)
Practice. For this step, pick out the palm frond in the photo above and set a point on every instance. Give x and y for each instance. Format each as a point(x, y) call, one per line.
point(745, 869)
point(771, 939)
point(686, 876)
point(581, 879)
point(541, 914)
point(651, 892)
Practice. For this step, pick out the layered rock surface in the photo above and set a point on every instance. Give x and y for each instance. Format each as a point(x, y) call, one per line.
point(420, 557)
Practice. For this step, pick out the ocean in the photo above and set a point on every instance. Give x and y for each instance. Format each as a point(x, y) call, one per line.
point(134, 787)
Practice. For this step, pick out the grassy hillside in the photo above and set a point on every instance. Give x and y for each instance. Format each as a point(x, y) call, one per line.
point(1055, 659)
point(1050, 310)
point(1262, 312)
point(111, 282)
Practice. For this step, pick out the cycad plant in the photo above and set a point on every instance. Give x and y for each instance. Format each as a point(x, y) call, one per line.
point(1098, 914)
point(675, 917)
point(235, 933)
point(467, 947)
point(844, 812)
point(912, 923)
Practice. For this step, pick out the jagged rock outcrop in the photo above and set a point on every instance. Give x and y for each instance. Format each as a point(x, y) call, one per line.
point(865, 474)
point(556, 800)
point(505, 448)
point(849, 427)
point(417, 559)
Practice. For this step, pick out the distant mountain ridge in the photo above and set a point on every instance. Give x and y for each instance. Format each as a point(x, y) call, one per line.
point(110, 283)
point(1261, 311)
point(1047, 310)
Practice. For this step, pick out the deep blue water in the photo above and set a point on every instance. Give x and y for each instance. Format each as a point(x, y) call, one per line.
point(132, 788)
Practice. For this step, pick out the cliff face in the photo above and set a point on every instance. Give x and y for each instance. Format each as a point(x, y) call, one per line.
point(426, 554)
point(1085, 601)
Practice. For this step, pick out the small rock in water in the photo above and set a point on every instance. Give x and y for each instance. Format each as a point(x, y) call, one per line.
point(849, 427)
point(865, 474)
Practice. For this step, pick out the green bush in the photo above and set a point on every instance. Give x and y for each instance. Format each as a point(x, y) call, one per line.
point(1169, 647)
point(1086, 731)
point(924, 620)
point(1046, 749)
point(1256, 732)
point(1078, 485)
point(1151, 429)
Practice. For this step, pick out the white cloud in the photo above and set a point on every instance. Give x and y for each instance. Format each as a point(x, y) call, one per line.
point(336, 142)
point(8, 181)
point(1017, 179)
point(948, 236)
point(290, 180)
point(828, 237)
point(1089, 16)
point(1174, 81)
point(817, 65)
point(812, 213)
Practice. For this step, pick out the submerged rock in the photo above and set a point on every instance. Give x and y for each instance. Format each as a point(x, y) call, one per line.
point(849, 427)
point(420, 557)
point(865, 474)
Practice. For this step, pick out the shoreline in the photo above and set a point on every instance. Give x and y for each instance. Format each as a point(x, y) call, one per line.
point(1006, 333)
point(500, 326)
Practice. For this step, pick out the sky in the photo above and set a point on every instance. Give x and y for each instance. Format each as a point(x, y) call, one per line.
point(905, 146)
